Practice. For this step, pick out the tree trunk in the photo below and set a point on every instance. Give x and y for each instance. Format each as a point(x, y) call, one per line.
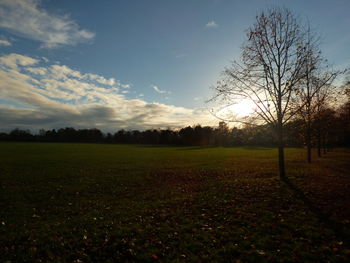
point(325, 143)
point(308, 142)
point(308, 125)
point(281, 165)
point(319, 146)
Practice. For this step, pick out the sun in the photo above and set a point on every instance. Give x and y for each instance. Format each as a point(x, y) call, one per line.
point(242, 109)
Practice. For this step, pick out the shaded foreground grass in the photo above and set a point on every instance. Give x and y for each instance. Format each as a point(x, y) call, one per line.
point(119, 203)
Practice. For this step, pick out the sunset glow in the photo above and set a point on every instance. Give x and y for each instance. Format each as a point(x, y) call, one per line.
point(137, 66)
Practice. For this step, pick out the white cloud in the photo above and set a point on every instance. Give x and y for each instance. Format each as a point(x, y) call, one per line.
point(26, 18)
point(64, 72)
point(211, 24)
point(54, 96)
point(38, 70)
point(126, 86)
point(4, 42)
point(14, 60)
point(158, 90)
point(101, 80)
point(109, 82)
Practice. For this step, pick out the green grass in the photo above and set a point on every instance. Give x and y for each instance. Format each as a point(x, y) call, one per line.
point(122, 203)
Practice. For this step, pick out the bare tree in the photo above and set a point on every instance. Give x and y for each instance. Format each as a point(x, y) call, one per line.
point(272, 65)
point(314, 90)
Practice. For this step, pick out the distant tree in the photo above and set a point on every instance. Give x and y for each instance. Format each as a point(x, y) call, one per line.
point(344, 117)
point(236, 137)
point(109, 138)
point(4, 136)
point(271, 66)
point(198, 135)
point(21, 135)
point(314, 90)
point(120, 136)
point(187, 135)
point(293, 135)
point(222, 133)
point(325, 123)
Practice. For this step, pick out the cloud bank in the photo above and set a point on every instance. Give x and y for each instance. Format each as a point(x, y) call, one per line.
point(35, 94)
point(25, 18)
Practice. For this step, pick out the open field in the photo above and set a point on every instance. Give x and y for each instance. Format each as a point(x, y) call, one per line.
point(120, 203)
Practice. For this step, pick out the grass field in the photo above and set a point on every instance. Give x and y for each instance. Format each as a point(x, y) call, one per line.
point(120, 203)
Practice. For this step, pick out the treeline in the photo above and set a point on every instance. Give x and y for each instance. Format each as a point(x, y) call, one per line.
point(196, 136)
point(331, 129)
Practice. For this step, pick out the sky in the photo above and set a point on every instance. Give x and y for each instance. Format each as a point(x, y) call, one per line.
point(133, 64)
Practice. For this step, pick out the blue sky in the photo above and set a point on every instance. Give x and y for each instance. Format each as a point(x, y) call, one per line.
point(159, 55)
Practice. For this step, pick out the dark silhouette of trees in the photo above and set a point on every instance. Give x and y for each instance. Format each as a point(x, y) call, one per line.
point(335, 132)
point(324, 121)
point(344, 117)
point(21, 135)
point(314, 91)
point(222, 133)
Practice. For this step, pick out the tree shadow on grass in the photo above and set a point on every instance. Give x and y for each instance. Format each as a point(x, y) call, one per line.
point(337, 227)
